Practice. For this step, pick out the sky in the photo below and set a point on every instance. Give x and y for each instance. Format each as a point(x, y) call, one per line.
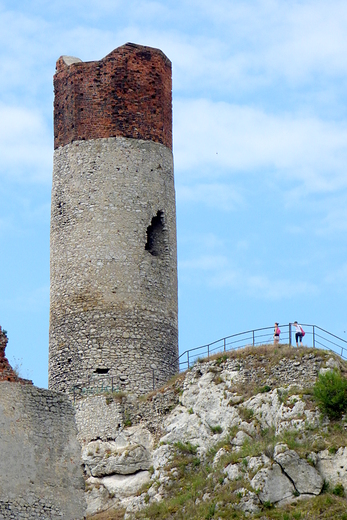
point(260, 150)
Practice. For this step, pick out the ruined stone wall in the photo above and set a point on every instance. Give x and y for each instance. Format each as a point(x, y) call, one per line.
point(6, 371)
point(40, 463)
point(113, 227)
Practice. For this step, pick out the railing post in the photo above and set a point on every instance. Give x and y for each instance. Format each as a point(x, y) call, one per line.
point(188, 357)
point(290, 335)
point(313, 337)
point(224, 344)
point(208, 351)
point(253, 338)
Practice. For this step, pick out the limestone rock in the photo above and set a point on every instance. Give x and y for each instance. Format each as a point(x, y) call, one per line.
point(208, 402)
point(98, 498)
point(232, 471)
point(255, 463)
point(220, 453)
point(272, 484)
point(240, 438)
point(249, 503)
point(305, 477)
point(333, 467)
point(116, 457)
point(125, 485)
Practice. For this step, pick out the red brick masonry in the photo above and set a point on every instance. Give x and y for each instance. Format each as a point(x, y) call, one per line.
point(6, 371)
point(128, 93)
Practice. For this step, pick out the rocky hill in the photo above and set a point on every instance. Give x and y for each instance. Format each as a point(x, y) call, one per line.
point(237, 436)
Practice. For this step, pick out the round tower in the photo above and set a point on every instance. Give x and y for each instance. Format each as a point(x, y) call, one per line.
point(113, 222)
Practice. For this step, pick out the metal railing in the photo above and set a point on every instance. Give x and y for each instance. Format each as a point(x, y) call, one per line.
point(314, 336)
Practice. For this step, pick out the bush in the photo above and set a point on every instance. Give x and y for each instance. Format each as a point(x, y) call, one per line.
point(339, 490)
point(187, 448)
point(330, 392)
point(216, 429)
point(265, 389)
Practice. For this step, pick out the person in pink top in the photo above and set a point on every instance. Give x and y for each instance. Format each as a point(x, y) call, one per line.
point(277, 333)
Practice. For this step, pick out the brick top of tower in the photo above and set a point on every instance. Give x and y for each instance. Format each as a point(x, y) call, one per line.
point(127, 94)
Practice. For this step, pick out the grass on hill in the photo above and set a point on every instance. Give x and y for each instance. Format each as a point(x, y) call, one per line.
point(197, 489)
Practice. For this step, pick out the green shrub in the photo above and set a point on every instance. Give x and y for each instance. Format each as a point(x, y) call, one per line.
point(265, 389)
point(216, 429)
point(330, 392)
point(211, 512)
point(186, 447)
point(339, 490)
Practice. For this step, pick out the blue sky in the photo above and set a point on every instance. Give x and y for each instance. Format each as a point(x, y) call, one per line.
point(260, 147)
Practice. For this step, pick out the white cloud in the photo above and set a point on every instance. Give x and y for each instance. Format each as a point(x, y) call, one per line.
point(25, 145)
point(219, 196)
point(216, 272)
point(224, 138)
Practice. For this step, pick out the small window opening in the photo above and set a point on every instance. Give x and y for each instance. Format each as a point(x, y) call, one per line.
point(101, 370)
point(155, 235)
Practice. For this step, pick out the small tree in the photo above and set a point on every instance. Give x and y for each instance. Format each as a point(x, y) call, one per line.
point(330, 392)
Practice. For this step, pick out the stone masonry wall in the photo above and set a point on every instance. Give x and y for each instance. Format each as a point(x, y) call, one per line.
point(128, 93)
point(113, 300)
point(40, 464)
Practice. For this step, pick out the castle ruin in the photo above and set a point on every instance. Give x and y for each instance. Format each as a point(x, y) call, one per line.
point(113, 223)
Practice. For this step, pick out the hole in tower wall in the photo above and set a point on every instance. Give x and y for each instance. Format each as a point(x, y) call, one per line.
point(156, 235)
point(101, 370)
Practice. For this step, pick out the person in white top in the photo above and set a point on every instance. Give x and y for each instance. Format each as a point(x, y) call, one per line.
point(299, 333)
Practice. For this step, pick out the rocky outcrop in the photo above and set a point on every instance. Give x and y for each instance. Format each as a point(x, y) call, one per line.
point(135, 466)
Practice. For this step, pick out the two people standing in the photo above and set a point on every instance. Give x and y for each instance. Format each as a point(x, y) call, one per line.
point(299, 333)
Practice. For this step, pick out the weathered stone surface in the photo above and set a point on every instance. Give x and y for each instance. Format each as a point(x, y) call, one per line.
point(183, 426)
point(106, 458)
point(271, 412)
point(115, 491)
point(128, 453)
point(125, 485)
point(249, 503)
point(232, 471)
point(210, 406)
point(220, 453)
point(305, 477)
point(210, 410)
point(333, 467)
point(40, 465)
point(110, 296)
point(272, 484)
point(329, 365)
point(240, 438)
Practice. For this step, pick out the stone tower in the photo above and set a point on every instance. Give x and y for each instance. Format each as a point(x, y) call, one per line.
point(113, 222)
